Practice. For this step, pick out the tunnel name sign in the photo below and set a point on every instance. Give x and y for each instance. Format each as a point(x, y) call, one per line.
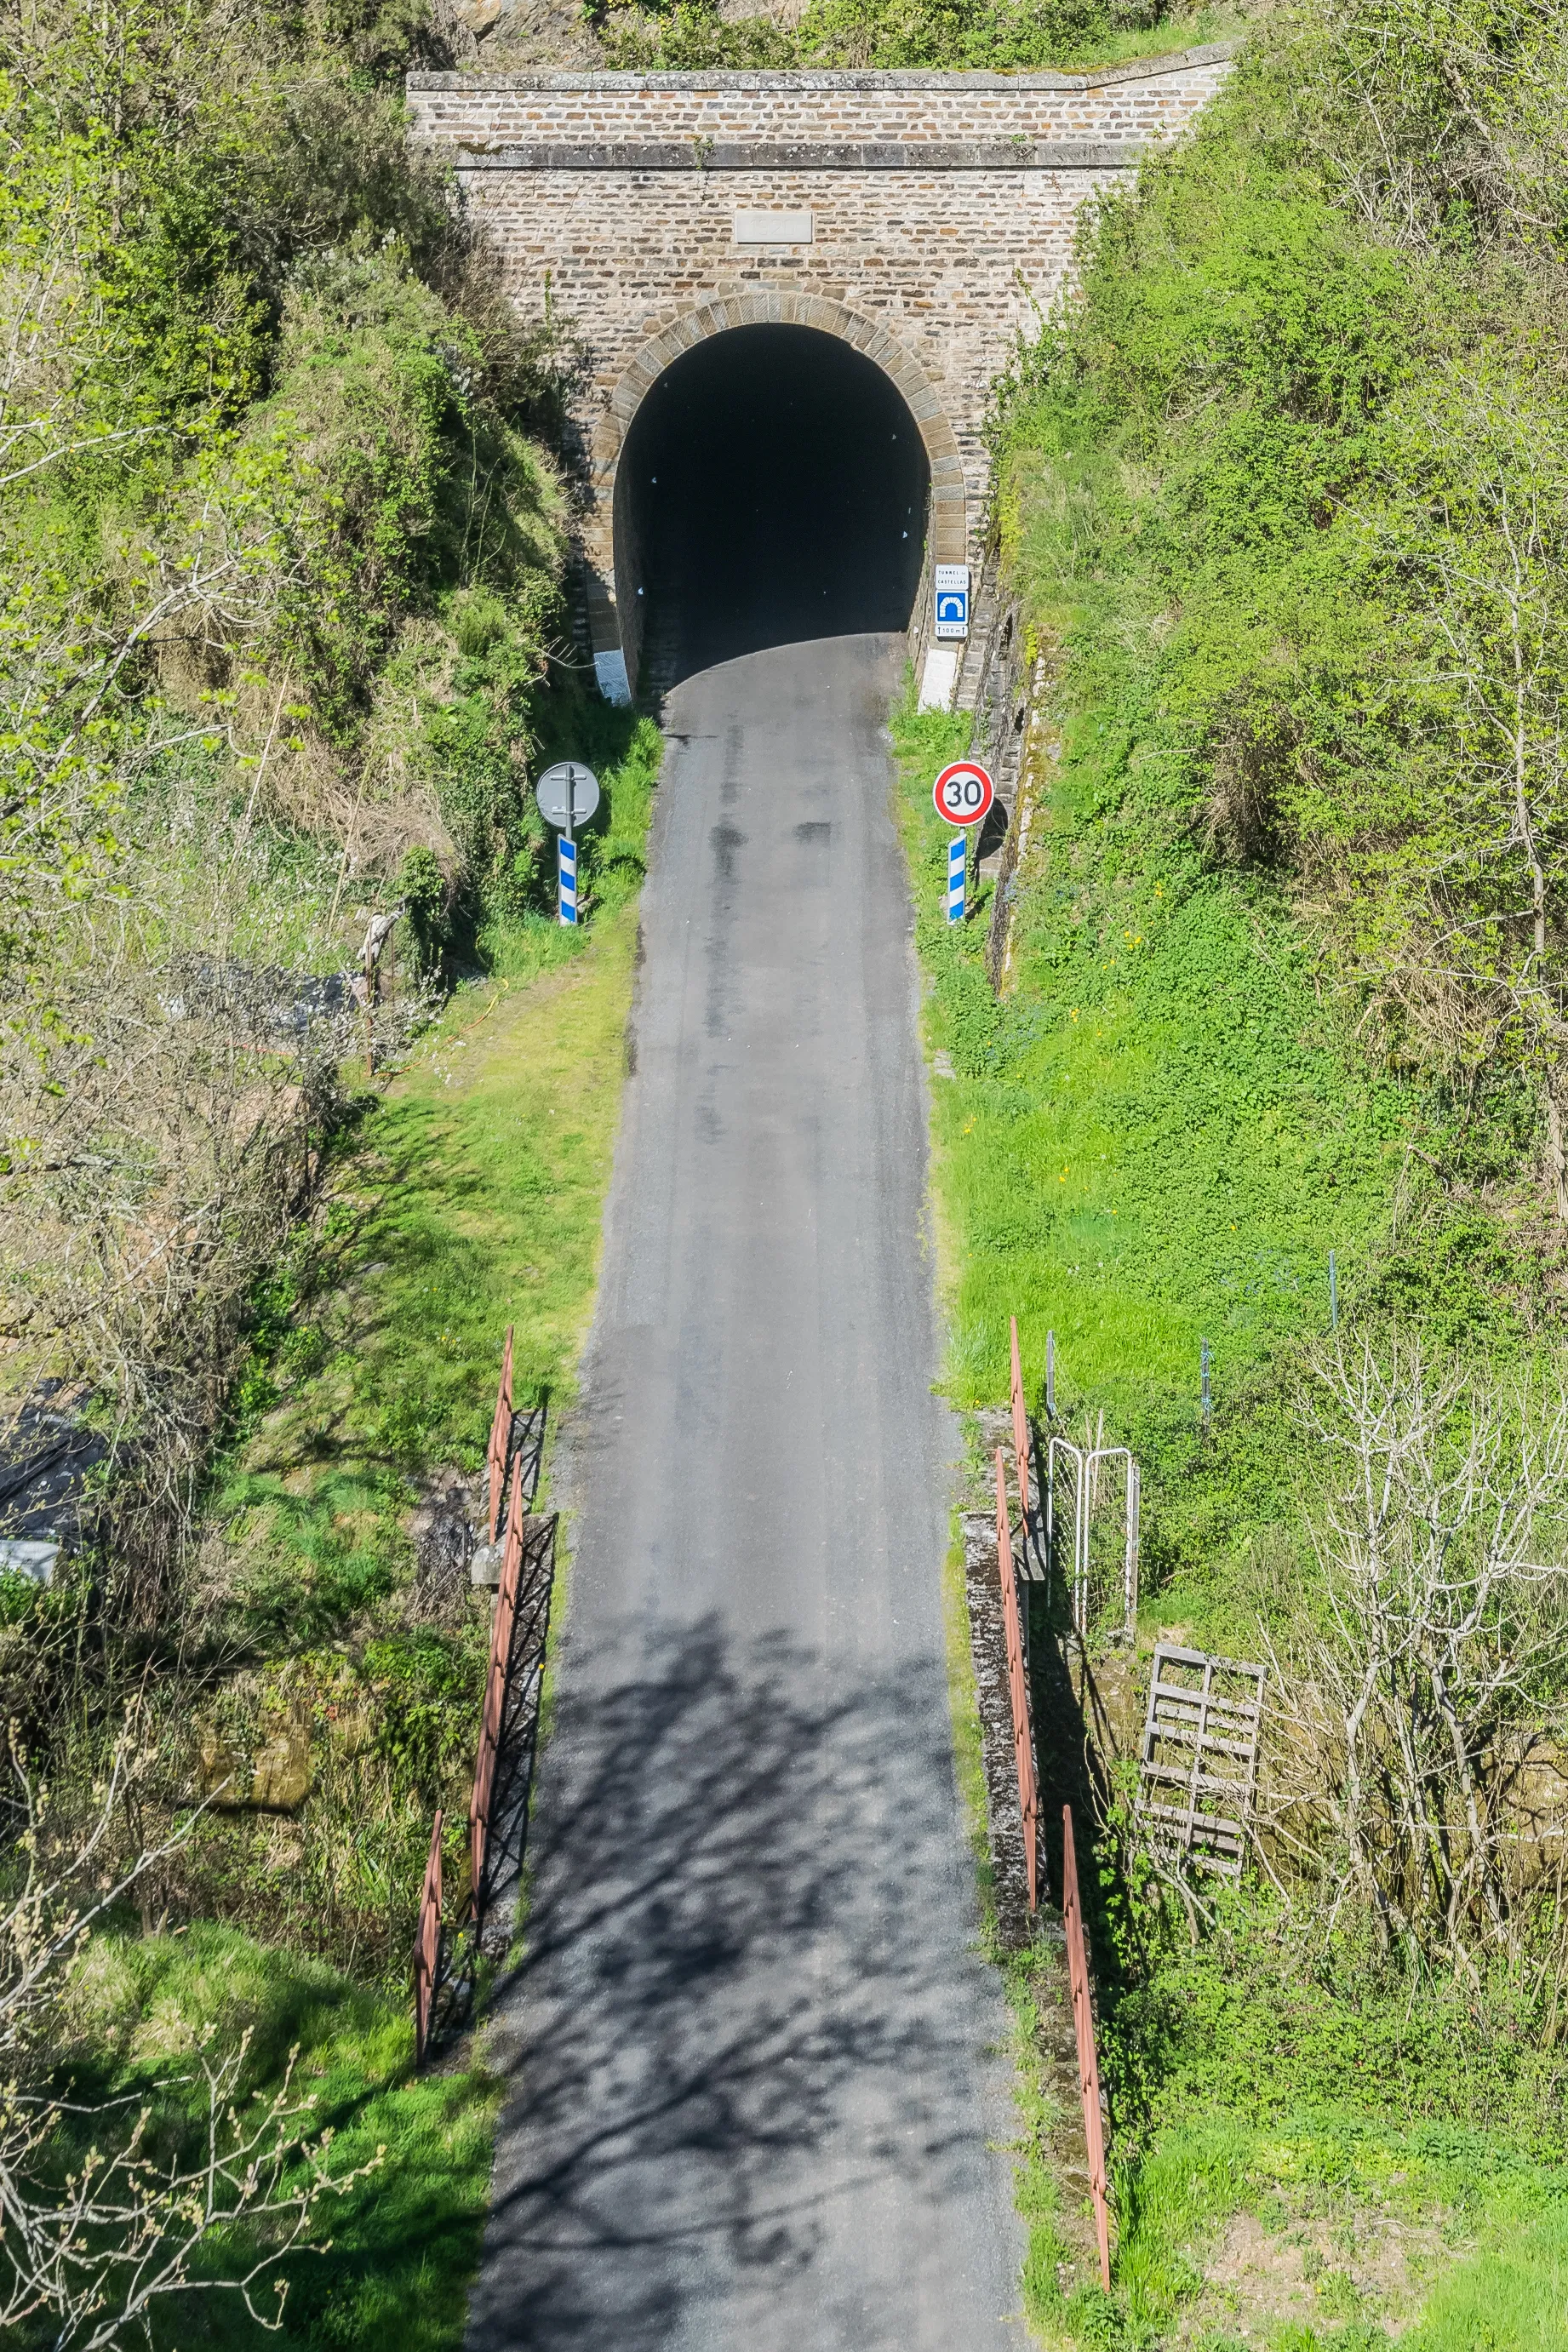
point(952, 587)
point(963, 792)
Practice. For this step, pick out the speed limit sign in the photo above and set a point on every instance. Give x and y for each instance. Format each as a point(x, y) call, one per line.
point(963, 792)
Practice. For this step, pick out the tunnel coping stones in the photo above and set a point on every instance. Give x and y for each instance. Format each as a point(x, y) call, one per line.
point(943, 211)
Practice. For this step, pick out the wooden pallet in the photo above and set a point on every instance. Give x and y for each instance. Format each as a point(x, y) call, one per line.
point(1198, 1770)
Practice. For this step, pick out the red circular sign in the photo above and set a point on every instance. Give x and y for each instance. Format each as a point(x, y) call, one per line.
point(962, 793)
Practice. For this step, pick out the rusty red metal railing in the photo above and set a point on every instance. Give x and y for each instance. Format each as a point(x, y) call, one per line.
point(494, 1685)
point(1020, 1431)
point(1087, 2064)
point(427, 1944)
point(501, 1437)
point(1018, 1689)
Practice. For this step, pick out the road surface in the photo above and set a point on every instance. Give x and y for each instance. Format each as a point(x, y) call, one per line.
point(755, 2099)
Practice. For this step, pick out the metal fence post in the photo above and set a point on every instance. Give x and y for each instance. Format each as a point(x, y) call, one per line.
point(1088, 2063)
point(1022, 1735)
point(501, 1437)
point(1135, 1508)
point(427, 1944)
point(1020, 1431)
point(495, 1689)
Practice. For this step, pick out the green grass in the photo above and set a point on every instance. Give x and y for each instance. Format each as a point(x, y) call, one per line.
point(468, 1199)
point(1155, 1138)
point(1204, 1132)
point(465, 1195)
point(1449, 2239)
point(1511, 2297)
point(1175, 1162)
point(405, 2240)
point(1074, 35)
point(1210, 1066)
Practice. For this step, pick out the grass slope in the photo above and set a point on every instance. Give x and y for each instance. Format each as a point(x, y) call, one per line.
point(469, 1196)
point(394, 2253)
point(467, 1200)
point(1156, 1136)
point(1001, 35)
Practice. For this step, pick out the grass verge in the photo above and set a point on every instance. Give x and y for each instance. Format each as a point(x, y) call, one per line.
point(1154, 1140)
point(467, 1196)
point(401, 2243)
point(1156, 1136)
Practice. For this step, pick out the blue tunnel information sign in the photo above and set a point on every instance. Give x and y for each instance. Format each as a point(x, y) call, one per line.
point(953, 600)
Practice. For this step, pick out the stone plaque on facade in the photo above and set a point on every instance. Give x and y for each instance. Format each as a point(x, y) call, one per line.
point(773, 228)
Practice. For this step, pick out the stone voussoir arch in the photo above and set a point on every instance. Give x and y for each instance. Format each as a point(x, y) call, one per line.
point(782, 308)
point(614, 619)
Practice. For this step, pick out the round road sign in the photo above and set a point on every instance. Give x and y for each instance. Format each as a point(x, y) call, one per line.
point(567, 794)
point(963, 792)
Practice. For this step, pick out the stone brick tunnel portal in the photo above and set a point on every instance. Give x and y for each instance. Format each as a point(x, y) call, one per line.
point(764, 275)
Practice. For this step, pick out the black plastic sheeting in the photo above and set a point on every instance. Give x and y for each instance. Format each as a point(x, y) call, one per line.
point(258, 1000)
point(48, 1494)
point(775, 491)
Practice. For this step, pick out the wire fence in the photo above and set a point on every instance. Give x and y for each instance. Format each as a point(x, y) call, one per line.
point(1018, 1689)
point(445, 1955)
point(1088, 2060)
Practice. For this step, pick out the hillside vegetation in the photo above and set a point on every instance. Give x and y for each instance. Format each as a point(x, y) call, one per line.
point(1282, 490)
point(282, 535)
point(283, 519)
point(996, 36)
point(281, 559)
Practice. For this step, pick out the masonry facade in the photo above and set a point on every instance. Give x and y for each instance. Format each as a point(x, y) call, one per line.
point(926, 218)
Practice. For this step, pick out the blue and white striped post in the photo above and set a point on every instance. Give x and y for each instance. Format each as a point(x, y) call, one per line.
point(957, 874)
point(566, 873)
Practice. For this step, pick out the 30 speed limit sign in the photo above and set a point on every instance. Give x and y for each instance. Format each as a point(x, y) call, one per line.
point(963, 792)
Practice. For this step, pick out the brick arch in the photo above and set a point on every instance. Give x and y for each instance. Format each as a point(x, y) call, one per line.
point(616, 632)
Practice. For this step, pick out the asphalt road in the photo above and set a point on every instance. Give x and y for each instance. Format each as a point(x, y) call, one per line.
point(754, 2094)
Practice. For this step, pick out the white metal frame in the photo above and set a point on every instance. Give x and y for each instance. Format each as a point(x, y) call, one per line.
point(1083, 1464)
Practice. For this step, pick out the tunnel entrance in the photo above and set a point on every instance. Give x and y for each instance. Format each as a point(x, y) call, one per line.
point(772, 488)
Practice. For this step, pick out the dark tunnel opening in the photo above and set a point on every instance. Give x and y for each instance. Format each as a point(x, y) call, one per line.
point(772, 488)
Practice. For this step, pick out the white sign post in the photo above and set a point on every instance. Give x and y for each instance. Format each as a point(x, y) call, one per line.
point(568, 794)
point(957, 876)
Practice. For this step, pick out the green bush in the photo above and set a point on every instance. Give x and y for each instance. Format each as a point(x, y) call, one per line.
point(1286, 490)
point(934, 33)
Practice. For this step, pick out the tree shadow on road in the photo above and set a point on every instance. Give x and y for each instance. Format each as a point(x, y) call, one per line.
point(746, 2002)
